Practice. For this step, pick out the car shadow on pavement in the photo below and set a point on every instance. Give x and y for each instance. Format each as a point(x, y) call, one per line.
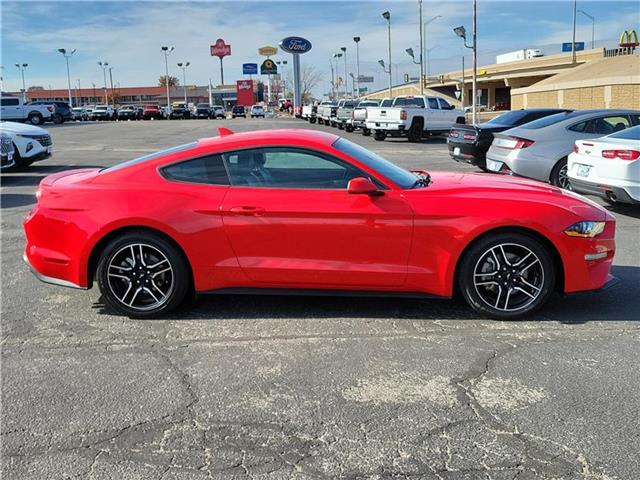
point(616, 303)
point(624, 209)
point(12, 200)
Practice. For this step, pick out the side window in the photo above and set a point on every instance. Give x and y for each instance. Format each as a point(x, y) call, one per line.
point(444, 105)
point(579, 127)
point(10, 102)
point(607, 125)
point(636, 119)
point(208, 170)
point(433, 103)
point(288, 168)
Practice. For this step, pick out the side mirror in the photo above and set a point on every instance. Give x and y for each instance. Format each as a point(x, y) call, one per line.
point(362, 186)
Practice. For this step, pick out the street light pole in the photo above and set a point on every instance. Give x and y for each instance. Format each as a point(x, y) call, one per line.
point(422, 52)
point(593, 27)
point(337, 56)
point(421, 48)
point(573, 41)
point(346, 82)
point(63, 51)
point(111, 83)
point(184, 78)
point(167, 51)
point(357, 40)
point(462, 33)
point(22, 67)
point(104, 66)
point(387, 16)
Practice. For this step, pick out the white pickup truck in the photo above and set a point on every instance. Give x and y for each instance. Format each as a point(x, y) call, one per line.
point(14, 108)
point(414, 117)
point(326, 110)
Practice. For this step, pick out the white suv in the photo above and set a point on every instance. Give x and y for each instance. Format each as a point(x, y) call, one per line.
point(31, 143)
point(257, 111)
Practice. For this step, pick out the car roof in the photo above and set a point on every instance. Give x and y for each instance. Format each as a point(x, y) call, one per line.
point(271, 137)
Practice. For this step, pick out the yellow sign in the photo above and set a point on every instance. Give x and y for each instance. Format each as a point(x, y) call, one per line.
point(267, 51)
point(629, 38)
point(482, 71)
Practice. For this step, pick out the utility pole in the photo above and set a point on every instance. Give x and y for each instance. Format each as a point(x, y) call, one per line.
point(104, 66)
point(63, 51)
point(346, 82)
point(22, 67)
point(184, 66)
point(111, 82)
point(167, 51)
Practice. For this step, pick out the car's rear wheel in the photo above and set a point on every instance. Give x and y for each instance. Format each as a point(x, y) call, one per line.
point(560, 175)
point(142, 275)
point(415, 132)
point(366, 132)
point(57, 118)
point(35, 119)
point(379, 135)
point(507, 275)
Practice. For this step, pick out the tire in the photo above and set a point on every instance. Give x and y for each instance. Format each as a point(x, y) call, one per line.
point(57, 118)
point(312, 120)
point(415, 132)
point(320, 121)
point(379, 135)
point(340, 126)
point(365, 132)
point(525, 271)
point(158, 290)
point(349, 128)
point(35, 119)
point(559, 176)
point(20, 163)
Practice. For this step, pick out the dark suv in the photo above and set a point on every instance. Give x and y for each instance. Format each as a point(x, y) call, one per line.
point(61, 110)
point(238, 111)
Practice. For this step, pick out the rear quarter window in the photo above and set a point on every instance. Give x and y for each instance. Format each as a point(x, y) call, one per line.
point(209, 170)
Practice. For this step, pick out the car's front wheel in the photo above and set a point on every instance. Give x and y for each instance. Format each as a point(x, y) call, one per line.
point(560, 175)
point(142, 275)
point(507, 275)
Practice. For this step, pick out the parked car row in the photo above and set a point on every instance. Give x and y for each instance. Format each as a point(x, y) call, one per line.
point(408, 116)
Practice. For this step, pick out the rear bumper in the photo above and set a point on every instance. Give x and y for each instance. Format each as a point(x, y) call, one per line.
point(387, 126)
point(609, 192)
point(467, 153)
point(52, 280)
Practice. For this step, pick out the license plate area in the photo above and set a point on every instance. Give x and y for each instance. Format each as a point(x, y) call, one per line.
point(583, 170)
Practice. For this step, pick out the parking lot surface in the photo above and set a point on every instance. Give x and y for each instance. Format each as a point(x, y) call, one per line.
point(306, 388)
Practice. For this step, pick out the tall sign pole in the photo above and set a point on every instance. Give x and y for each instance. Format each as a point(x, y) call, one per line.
point(270, 67)
point(296, 46)
point(220, 49)
point(357, 40)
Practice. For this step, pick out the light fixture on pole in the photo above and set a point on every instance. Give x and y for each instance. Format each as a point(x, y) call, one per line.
point(413, 59)
point(387, 16)
point(167, 51)
point(184, 66)
point(104, 66)
point(338, 79)
point(67, 56)
point(382, 64)
point(346, 83)
point(593, 27)
point(462, 33)
point(357, 40)
point(22, 67)
point(424, 48)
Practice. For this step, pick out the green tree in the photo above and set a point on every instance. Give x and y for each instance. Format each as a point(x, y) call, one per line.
point(173, 81)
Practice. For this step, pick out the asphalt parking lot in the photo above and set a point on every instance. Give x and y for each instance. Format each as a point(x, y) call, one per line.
point(307, 388)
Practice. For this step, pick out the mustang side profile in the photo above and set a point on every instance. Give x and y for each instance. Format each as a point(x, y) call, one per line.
point(299, 211)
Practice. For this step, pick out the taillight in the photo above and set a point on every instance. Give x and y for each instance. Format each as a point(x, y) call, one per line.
point(469, 136)
point(50, 109)
point(403, 114)
point(575, 148)
point(454, 134)
point(522, 143)
point(621, 154)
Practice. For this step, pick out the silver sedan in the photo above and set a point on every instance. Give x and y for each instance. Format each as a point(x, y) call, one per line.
point(539, 149)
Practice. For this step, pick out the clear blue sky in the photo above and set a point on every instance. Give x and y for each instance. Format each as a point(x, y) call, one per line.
point(129, 34)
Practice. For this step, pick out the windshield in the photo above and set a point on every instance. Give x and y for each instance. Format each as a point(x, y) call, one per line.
point(397, 175)
point(409, 102)
point(632, 133)
point(151, 156)
point(367, 104)
point(203, 105)
point(551, 120)
point(386, 102)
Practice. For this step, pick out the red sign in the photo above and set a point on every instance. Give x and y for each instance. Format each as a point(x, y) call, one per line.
point(220, 49)
point(244, 92)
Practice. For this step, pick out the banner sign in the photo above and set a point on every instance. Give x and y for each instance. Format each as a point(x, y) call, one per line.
point(249, 68)
point(566, 46)
point(365, 79)
point(268, 67)
point(220, 49)
point(295, 45)
point(244, 92)
point(267, 51)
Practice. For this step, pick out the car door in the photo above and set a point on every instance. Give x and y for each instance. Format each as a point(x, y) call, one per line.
point(435, 120)
point(291, 222)
point(11, 109)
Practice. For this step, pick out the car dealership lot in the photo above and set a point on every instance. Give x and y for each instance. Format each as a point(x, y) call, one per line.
point(279, 387)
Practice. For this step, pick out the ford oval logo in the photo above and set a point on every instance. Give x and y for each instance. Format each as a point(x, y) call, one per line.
point(295, 45)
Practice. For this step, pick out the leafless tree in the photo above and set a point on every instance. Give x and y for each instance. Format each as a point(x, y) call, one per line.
point(309, 79)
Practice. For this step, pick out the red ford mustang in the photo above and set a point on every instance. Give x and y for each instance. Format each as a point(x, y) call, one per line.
point(291, 211)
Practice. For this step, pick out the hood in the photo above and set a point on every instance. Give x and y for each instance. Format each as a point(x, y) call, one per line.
point(23, 128)
point(510, 188)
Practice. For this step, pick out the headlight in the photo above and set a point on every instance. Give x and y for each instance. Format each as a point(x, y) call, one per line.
point(585, 229)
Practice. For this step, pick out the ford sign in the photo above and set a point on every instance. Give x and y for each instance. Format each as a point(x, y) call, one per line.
point(295, 45)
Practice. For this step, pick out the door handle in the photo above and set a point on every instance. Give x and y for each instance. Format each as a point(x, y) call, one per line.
point(246, 210)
